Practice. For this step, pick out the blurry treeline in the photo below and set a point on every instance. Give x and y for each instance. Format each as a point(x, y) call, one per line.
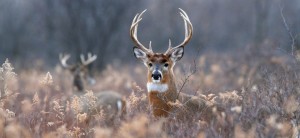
point(34, 32)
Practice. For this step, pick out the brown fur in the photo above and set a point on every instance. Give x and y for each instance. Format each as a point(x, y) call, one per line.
point(162, 103)
point(107, 102)
point(159, 106)
point(158, 58)
point(160, 71)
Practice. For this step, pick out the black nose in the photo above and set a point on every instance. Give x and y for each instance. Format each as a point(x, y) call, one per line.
point(156, 75)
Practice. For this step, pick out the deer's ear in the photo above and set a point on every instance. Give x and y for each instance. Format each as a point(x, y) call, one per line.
point(177, 54)
point(140, 54)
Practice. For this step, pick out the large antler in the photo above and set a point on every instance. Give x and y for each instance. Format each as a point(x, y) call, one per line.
point(133, 33)
point(188, 31)
point(91, 58)
point(63, 60)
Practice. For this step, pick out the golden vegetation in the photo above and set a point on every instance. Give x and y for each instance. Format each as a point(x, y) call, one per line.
point(260, 98)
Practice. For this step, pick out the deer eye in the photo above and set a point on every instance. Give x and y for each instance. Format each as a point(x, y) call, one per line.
point(150, 64)
point(166, 64)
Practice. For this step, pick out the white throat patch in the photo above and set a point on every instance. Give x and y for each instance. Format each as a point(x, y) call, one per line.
point(157, 87)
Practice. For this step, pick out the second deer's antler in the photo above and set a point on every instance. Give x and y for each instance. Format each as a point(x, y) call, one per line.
point(91, 58)
point(63, 60)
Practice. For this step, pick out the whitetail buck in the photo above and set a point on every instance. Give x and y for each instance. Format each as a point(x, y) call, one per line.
point(161, 86)
point(110, 102)
point(79, 70)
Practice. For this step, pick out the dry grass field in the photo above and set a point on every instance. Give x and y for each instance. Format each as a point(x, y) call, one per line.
point(260, 95)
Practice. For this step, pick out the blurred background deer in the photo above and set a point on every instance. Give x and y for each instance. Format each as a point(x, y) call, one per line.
point(110, 102)
point(79, 70)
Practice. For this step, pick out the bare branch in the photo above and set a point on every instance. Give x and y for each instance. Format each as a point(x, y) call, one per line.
point(192, 72)
point(288, 29)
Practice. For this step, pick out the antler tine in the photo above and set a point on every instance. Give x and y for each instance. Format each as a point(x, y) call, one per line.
point(188, 27)
point(133, 33)
point(82, 58)
point(63, 60)
point(150, 47)
point(186, 18)
point(91, 58)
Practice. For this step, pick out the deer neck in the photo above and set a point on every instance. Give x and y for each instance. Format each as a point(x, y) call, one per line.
point(78, 83)
point(159, 94)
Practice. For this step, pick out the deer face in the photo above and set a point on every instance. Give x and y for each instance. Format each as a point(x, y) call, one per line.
point(82, 74)
point(87, 76)
point(80, 70)
point(160, 65)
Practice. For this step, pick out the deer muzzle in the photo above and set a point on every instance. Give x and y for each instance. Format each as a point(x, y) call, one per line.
point(156, 76)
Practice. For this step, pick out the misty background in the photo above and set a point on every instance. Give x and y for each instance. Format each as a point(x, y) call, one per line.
point(34, 32)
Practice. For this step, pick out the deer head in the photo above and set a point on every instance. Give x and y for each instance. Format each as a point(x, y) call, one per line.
point(79, 70)
point(160, 65)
